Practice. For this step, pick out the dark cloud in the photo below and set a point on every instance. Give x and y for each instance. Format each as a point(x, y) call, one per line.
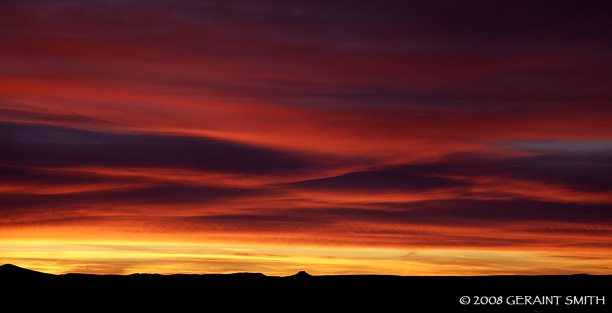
point(460, 212)
point(579, 170)
point(55, 146)
point(447, 54)
point(379, 21)
point(581, 166)
point(405, 178)
point(38, 117)
point(587, 230)
point(24, 175)
point(176, 194)
point(418, 223)
point(134, 203)
point(528, 210)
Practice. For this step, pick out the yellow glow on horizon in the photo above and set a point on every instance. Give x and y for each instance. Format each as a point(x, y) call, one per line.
point(128, 258)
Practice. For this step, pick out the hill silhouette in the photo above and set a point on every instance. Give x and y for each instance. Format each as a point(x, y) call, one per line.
point(8, 270)
point(300, 291)
point(301, 275)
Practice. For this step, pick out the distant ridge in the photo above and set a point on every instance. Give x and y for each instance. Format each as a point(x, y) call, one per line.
point(11, 269)
point(14, 270)
point(335, 292)
point(301, 275)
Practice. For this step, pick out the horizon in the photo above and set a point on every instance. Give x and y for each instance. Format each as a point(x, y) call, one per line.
point(427, 138)
point(299, 274)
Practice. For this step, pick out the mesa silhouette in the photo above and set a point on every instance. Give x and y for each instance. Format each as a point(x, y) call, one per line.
point(302, 290)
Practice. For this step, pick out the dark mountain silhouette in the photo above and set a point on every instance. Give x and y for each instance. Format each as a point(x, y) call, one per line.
point(301, 275)
point(8, 270)
point(252, 291)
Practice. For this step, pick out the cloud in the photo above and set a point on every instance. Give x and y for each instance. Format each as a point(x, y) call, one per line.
point(22, 175)
point(580, 170)
point(405, 178)
point(15, 115)
point(575, 165)
point(56, 146)
point(469, 213)
point(131, 199)
point(584, 170)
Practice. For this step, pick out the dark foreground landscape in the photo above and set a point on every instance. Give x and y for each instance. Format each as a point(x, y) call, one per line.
point(251, 291)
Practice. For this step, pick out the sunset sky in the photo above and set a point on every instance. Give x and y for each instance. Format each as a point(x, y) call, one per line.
point(337, 137)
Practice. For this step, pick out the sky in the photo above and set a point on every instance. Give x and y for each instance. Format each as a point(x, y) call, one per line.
point(336, 137)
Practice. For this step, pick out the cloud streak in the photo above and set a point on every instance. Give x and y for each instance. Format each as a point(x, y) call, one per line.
point(54, 146)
